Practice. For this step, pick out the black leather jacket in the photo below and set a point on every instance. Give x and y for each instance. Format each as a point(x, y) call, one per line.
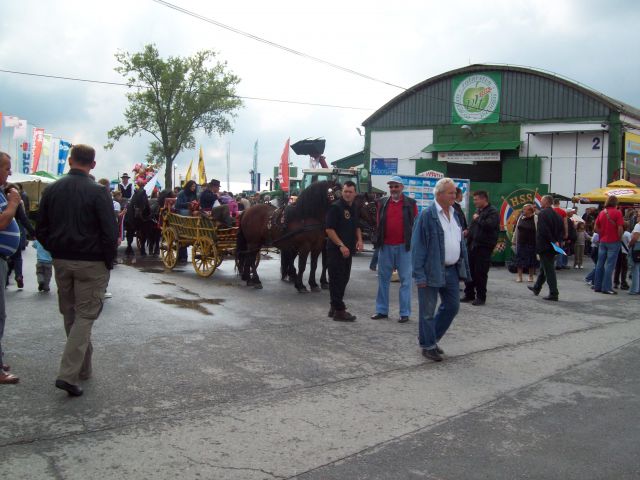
point(483, 232)
point(75, 221)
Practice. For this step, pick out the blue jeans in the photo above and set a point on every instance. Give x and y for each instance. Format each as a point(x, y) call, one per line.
point(562, 260)
point(390, 257)
point(3, 315)
point(634, 268)
point(432, 327)
point(374, 259)
point(607, 257)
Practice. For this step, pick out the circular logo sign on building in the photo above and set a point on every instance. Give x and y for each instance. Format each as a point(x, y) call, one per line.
point(476, 98)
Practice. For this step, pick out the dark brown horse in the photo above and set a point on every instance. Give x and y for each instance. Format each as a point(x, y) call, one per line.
point(298, 231)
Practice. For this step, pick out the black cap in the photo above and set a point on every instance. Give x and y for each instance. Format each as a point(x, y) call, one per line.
point(214, 183)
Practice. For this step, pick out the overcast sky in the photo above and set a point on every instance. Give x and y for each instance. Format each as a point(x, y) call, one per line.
point(400, 42)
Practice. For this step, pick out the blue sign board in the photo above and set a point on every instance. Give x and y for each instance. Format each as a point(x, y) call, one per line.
point(384, 166)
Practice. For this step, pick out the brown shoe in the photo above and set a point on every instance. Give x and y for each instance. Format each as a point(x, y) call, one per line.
point(343, 316)
point(8, 378)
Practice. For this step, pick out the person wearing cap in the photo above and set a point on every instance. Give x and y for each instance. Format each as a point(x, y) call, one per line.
point(209, 196)
point(396, 215)
point(125, 187)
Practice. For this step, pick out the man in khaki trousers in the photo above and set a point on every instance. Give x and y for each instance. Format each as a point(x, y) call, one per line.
point(76, 226)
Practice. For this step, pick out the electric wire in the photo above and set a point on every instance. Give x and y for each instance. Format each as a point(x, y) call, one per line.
point(243, 97)
point(274, 44)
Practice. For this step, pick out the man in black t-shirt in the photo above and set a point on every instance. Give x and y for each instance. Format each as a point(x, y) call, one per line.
point(345, 239)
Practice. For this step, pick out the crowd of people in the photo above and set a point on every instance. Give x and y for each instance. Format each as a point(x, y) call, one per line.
point(77, 235)
point(608, 235)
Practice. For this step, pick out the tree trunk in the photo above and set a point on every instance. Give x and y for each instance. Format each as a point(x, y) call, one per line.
point(168, 173)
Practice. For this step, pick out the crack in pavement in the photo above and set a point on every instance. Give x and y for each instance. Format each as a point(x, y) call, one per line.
point(226, 467)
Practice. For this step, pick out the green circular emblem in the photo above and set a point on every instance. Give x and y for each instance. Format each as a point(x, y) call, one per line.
point(364, 174)
point(476, 98)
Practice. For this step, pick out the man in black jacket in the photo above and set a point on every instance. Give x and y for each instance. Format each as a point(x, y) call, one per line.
point(550, 231)
point(481, 240)
point(75, 224)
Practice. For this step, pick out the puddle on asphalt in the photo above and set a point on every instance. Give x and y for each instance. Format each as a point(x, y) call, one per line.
point(191, 304)
point(152, 270)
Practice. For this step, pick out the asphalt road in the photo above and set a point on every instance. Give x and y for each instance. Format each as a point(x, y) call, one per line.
point(206, 378)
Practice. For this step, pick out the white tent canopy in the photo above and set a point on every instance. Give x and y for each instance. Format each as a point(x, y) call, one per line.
point(23, 178)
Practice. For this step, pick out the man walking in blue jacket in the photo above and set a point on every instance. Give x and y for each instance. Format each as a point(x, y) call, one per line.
point(439, 257)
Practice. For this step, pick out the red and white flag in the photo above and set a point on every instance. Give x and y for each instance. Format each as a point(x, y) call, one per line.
point(36, 147)
point(20, 129)
point(283, 170)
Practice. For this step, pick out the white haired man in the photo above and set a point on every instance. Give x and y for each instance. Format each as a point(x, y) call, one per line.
point(439, 257)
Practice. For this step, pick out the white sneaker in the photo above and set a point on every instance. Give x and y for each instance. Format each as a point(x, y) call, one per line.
point(108, 295)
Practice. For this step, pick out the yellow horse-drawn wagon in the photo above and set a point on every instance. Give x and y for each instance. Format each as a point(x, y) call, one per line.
point(209, 243)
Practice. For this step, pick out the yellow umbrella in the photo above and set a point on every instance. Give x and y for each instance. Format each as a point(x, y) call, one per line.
point(626, 192)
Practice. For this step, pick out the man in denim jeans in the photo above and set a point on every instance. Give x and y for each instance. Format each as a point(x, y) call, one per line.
point(396, 214)
point(609, 226)
point(439, 257)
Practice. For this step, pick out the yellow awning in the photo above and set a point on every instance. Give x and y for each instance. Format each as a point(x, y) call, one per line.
point(626, 192)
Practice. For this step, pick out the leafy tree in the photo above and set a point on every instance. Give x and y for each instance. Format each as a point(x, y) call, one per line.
point(172, 99)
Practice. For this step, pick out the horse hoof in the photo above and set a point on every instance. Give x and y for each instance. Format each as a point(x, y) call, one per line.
point(316, 289)
point(258, 286)
point(325, 286)
point(303, 290)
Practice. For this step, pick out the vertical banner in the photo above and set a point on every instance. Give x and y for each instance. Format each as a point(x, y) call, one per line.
point(46, 150)
point(283, 171)
point(255, 184)
point(26, 158)
point(0, 122)
point(20, 129)
point(36, 146)
point(202, 175)
point(63, 153)
point(187, 177)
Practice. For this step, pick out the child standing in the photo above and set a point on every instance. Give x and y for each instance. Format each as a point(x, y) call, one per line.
point(43, 267)
point(581, 239)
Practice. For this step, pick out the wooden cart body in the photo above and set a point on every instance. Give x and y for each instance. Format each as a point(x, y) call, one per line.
point(208, 242)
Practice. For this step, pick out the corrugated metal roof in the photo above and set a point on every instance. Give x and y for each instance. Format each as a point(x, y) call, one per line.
point(526, 94)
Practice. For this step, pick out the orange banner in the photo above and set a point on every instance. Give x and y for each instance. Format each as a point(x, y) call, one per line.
point(283, 174)
point(36, 145)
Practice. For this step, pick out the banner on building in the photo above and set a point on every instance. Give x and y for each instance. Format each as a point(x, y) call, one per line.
point(26, 157)
point(283, 171)
point(20, 129)
point(632, 156)
point(476, 98)
point(384, 166)
point(36, 146)
point(63, 153)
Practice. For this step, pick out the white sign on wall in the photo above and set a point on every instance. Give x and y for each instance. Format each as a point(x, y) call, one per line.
point(466, 157)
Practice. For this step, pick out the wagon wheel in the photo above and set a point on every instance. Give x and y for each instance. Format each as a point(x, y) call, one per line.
point(204, 257)
point(218, 260)
point(169, 247)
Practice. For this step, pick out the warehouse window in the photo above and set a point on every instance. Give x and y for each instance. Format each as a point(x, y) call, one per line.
point(480, 172)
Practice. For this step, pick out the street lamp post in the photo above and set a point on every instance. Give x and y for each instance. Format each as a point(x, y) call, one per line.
point(174, 174)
